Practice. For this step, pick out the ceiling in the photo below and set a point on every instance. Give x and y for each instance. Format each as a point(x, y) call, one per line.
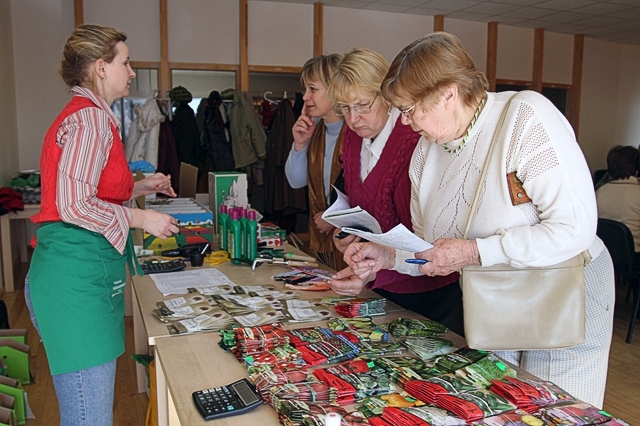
point(612, 20)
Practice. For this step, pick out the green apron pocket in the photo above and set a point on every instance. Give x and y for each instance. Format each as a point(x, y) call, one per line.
point(115, 275)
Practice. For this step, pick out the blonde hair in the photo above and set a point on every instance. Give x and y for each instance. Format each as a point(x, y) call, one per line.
point(320, 68)
point(361, 70)
point(428, 65)
point(87, 44)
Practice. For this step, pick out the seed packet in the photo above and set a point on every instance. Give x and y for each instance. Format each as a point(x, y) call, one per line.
point(530, 395)
point(579, 414)
point(210, 321)
point(435, 416)
point(512, 418)
point(361, 307)
point(404, 327)
point(474, 405)
point(458, 359)
point(486, 370)
point(429, 347)
point(373, 405)
point(429, 390)
point(306, 311)
point(365, 328)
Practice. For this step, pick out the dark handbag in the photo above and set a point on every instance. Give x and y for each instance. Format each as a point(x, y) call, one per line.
point(507, 308)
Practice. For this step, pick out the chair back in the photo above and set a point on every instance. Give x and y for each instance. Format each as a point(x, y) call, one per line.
point(619, 241)
point(597, 175)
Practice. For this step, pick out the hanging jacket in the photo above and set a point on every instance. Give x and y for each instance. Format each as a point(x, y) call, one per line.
point(187, 135)
point(142, 141)
point(279, 196)
point(248, 138)
point(213, 137)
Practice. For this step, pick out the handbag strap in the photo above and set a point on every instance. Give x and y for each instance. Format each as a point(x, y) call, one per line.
point(483, 176)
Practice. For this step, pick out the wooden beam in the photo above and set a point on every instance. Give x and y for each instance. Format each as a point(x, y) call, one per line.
point(78, 12)
point(145, 64)
point(197, 66)
point(576, 83)
point(492, 54)
point(164, 76)
point(318, 28)
point(438, 23)
point(538, 59)
point(275, 69)
point(243, 77)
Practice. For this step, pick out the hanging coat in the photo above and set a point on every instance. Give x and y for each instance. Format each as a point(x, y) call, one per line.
point(142, 141)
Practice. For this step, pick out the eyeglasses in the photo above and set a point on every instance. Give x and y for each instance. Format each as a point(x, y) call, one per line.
point(357, 109)
point(406, 111)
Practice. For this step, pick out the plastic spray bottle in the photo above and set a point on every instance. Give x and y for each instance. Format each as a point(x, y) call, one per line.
point(252, 235)
point(223, 218)
point(243, 230)
point(234, 241)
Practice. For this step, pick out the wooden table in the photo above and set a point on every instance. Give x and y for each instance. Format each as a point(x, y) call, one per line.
point(5, 234)
point(189, 363)
point(149, 331)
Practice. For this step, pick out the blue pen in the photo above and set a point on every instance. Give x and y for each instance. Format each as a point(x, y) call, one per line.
point(417, 261)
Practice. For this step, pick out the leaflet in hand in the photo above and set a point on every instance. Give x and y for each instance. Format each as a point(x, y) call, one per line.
point(399, 238)
point(340, 214)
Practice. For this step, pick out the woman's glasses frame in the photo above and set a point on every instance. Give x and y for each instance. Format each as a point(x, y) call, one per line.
point(358, 109)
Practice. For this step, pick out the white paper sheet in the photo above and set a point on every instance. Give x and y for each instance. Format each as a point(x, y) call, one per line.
point(340, 214)
point(178, 282)
point(400, 238)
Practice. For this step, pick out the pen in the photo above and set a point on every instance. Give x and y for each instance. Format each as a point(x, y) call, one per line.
point(417, 261)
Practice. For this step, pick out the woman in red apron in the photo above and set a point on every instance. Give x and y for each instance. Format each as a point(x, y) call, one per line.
point(77, 274)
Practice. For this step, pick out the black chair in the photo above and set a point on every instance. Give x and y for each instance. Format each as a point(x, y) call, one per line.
point(597, 175)
point(619, 242)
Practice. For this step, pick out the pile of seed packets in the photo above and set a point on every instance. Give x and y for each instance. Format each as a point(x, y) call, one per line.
point(355, 380)
point(191, 313)
point(361, 307)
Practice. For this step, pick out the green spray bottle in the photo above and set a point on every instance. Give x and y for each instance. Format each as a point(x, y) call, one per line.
point(243, 230)
point(223, 219)
point(252, 235)
point(234, 241)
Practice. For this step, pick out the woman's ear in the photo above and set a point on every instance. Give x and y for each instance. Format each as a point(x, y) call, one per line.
point(98, 68)
point(450, 95)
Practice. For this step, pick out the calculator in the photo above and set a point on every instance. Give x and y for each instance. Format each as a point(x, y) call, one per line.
point(156, 267)
point(236, 398)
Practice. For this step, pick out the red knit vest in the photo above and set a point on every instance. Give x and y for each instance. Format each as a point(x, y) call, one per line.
point(386, 194)
point(116, 180)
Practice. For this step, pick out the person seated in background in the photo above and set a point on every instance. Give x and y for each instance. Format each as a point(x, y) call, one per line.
point(619, 199)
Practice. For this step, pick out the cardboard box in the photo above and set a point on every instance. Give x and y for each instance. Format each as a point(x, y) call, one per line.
point(17, 334)
point(11, 387)
point(195, 222)
point(228, 188)
point(15, 360)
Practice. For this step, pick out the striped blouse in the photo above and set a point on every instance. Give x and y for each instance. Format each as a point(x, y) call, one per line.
point(85, 139)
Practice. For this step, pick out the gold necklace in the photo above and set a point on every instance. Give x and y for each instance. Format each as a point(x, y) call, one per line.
point(457, 149)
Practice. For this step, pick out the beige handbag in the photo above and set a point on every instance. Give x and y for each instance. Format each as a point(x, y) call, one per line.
point(507, 308)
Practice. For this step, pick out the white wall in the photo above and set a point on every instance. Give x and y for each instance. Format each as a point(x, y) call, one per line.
point(386, 33)
point(282, 34)
point(203, 31)
point(8, 128)
point(39, 30)
point(600, 104)
point(279, 33)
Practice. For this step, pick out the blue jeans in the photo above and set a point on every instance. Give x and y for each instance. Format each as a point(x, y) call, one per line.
point(27, 299)
point(85, 397)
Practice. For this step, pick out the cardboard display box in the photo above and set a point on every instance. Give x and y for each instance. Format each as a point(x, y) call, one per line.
point(228, 188)
point(195, 222)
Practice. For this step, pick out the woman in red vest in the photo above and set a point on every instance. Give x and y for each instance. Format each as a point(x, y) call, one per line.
point(78, 274)
point(376, 153)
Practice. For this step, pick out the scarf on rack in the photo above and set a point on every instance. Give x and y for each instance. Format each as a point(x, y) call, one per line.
point(320, 243)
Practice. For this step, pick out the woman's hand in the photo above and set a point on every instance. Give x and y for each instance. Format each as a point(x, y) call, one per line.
point(322, 225)
point(153, 184)
point(449, 255)
point(302, 130)
point(365, 259)
point(155, 223)
point(346, 283)
point(342, 243)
